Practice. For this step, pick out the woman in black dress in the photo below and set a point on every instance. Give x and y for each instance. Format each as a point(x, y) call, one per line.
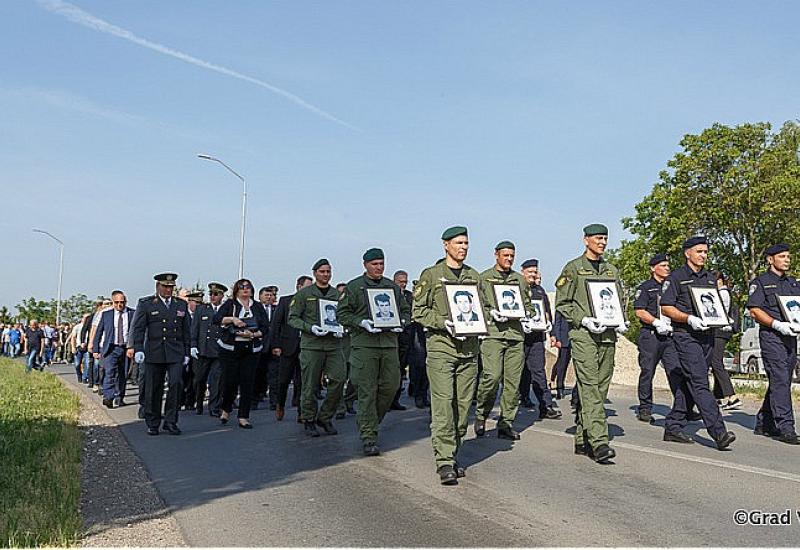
point(244, 325)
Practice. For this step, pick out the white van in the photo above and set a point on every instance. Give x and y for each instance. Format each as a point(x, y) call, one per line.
point(750, 350)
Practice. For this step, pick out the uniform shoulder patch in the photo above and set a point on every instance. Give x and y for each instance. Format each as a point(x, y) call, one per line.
point(752, 289)
point(638, 293)
point(665, 286)
point(562, 281)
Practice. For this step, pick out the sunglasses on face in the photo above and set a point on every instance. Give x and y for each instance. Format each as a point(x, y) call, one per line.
point(120, 301)
point(246, 287)
point(216, 293)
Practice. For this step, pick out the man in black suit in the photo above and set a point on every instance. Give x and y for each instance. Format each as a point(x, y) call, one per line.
point(110, 341)
point(267, 370)
point(205, 351)
point(284, 343)
point(160, 340)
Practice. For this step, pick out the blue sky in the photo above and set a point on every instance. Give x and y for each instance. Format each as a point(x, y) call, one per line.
point(521, 120)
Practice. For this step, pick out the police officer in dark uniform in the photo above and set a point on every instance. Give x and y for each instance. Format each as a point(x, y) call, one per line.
point(533, 372)
point(205, 351)
point(694, 343)
point(160, 338)
point(778, 340)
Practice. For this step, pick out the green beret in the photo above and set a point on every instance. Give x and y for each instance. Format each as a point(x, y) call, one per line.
point(505, 244)
point(319, 263)
point(453, 232)
point(595, 229)
point(373, 254)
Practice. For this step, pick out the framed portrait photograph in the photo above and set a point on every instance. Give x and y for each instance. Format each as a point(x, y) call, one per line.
point(605, 302)
point(790, 307)
point(538, 317)
point(509, 301)
point(327, 315)
point(466, 311)
point(708, 306)
point(383, 307)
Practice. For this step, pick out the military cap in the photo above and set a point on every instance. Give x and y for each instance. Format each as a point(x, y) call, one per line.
point(166, 279)
point(217, 287)
point(533, 262)
point(504, 244)
point(595, 229)
point(777, 249)
point(694, 241)
point(319, 263)
point(453, 232)
point(657, 259)
point(196, 296)
point(272, 288)
point(373, 254)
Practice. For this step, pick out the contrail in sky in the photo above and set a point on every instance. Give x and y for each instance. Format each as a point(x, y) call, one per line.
point(81, 17)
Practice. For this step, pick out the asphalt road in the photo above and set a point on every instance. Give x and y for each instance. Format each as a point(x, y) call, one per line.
point(272, 486)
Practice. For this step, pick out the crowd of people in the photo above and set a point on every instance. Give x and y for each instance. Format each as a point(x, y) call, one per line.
point(346, 349)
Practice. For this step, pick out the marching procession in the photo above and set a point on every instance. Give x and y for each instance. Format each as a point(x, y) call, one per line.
point(463, 339)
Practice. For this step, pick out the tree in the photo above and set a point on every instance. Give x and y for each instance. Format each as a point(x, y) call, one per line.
point(739, 186)
point(72, 309)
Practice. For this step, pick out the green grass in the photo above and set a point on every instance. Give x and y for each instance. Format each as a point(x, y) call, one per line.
point(758, 391)
point(40, 459)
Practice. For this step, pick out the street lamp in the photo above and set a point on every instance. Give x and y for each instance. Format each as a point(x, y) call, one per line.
point(60, 271)
point(244, 207)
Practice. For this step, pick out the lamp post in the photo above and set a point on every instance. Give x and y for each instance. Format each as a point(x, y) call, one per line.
point(60, 271)
point(244, 207)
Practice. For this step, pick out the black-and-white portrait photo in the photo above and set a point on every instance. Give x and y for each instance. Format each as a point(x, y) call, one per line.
point(538, 318)
point(383, 307)
point(708, 306)
point(466, 310)
point(605, 302)
point(327, 315)
point(509, 301)
point(790, 307)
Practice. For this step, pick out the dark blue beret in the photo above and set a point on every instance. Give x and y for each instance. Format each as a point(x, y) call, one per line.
point(530, 263)
point(777, 249)
point(694, 241)
point(657, 259)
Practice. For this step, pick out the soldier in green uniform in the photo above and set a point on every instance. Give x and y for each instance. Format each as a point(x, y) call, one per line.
point(373, 351)
point(593, 343)
point(452, 362)
point(501, 351)
point(350, 393)
point(320, 350)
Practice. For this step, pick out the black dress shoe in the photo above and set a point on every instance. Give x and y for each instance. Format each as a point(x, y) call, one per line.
point(327, 427)
point(419, 402)
point(508, 433)
point(725, 440)
point(396, 406)
point(340, 416)
point(460, 471)
point(480, 428)
point(370, 449)
point(645, 415)
point(310, 429)
point(447, 475)
point(246, 425)
point(550, 413)
point(152, 431)
point(791, 439)
point(603, 453)
point(171, 429)
point(109, 403)
point(677, 437)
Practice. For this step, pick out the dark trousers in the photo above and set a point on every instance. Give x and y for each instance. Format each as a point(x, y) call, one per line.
point(115, 365)
point(559, 372)
point(652, 350)
point(261, 381)
point(141, 385)
point(722, 380)
point(188, 399)
point(238, 374)
point(154, 374)
point(208, 374)
point(694, 354)
point(288, 370)
point(417, 373)
point(536, 377)
point(779, 354)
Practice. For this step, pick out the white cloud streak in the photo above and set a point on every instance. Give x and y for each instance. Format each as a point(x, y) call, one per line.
point(76, 15)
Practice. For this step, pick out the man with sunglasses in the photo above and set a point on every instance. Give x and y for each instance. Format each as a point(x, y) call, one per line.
point(110, 341)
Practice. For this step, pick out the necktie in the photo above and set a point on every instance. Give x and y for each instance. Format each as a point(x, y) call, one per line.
point(120, 338)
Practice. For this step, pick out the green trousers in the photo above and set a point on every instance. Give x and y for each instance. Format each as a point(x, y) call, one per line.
point(594, 366)
point(350, 391)
point(502, 362)
point(376, 372)
point(312, 364)
point(452, 384)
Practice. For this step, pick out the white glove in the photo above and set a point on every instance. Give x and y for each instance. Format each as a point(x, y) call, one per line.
point(696, 323)
point(194, 353)
point(448, 325)
point(623, 328)
point(369, 326)
point(497, 316)
point(397, 329)
point(338, 334)
point(185, 360)
point(526, 326)
point(726, 328)
point(593, 325)
point(661, 327)
point(783, 327)
point(317, 330)
point(139, 357)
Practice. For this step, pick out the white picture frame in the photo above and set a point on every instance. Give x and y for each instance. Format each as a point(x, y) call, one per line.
point(383, 309)
point(327, 315)
point(538, 318)
point(790, 307)
point(465, 308)
point(709, 306)
point(605, 302)
point(508, 300)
